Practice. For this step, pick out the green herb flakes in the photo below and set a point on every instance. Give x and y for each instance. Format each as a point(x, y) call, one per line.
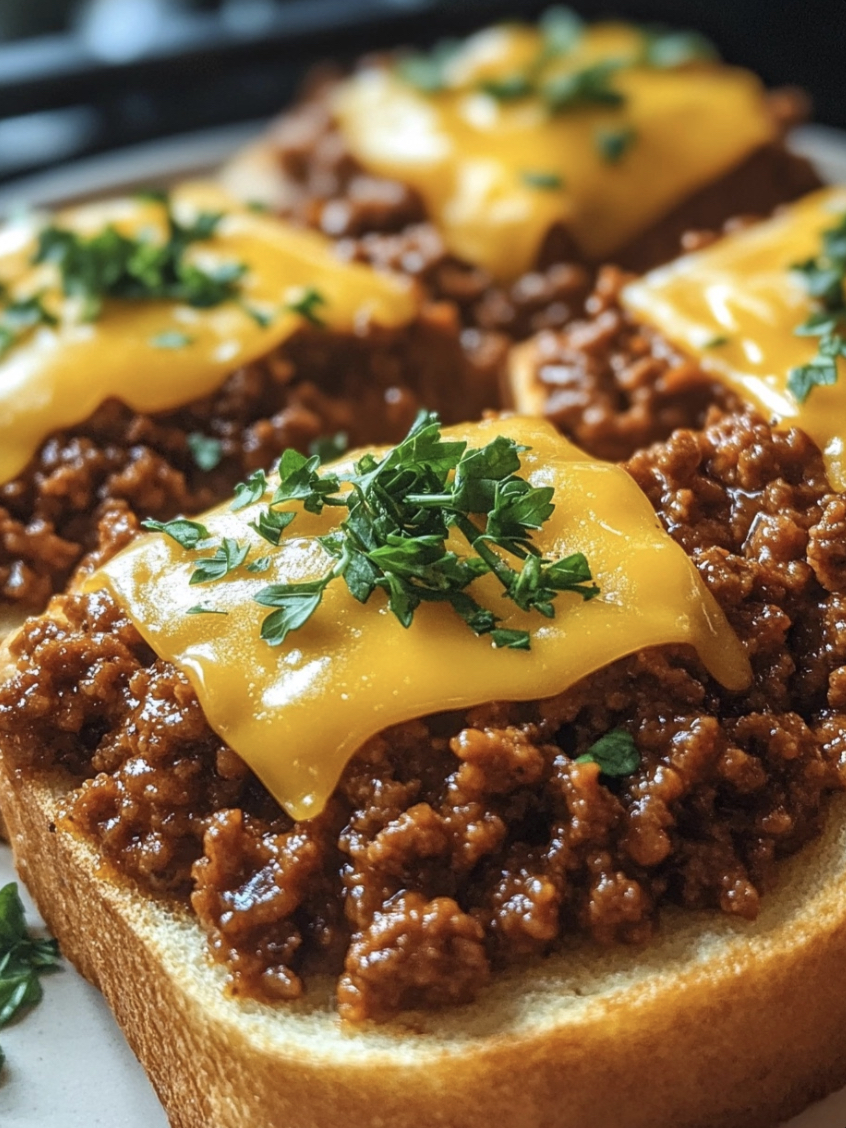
point(399, 512)
point(187, 534)
point(307, 304)
point(110, 264)
point(228, 556)
point(171, 339)
point(613, 144)
point(508, 88)
point(591, 86)
point(206, 450)
point(615, 752)
point(544, 181)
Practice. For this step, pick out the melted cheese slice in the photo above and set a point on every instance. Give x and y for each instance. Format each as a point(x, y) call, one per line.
point(297, 713)
point(56, 377)
point(735, 306)
point(467, 153)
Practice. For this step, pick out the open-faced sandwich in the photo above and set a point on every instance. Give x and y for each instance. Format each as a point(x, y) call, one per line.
point(155, 350)
point(445, 784)
point(501, 169)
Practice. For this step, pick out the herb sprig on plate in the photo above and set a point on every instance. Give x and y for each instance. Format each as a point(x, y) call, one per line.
point(399, 512)
point(23, 960)
point(824, 278)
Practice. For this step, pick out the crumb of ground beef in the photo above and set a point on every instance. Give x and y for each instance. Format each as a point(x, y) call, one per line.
point(461, 842)
point(615, 386)
point(87, 486)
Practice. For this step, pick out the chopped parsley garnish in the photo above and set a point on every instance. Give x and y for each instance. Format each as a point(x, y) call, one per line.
point(668, 49)
point(228, 556)
point(427, 72)
point(716, 342)
point(110, 264)
point(17, 318)
point(306, 305)
point(271, 523)
point(249, 492)
point(590, 86)
point(613, 144)
point(22, 959)
point(206, 450)
point(823, 276)
point(187, 534)
point(200, 609)
point(546, 181)
point(615, 752)
point(171, 339)
point(508, 88)
point(399, 512)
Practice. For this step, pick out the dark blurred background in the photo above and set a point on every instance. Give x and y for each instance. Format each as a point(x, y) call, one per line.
point(78, 77)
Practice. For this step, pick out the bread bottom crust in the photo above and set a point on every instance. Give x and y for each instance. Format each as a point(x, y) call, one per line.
point(718, 1024)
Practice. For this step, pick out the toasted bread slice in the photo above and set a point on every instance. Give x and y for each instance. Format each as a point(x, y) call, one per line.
point(717, 1024)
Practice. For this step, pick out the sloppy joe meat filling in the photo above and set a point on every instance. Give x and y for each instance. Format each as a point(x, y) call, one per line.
point(461, 842)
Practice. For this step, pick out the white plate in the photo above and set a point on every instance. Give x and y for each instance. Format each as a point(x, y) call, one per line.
point(67, 1064)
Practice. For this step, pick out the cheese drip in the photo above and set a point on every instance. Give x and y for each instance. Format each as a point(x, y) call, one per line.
point(735, 307)
point(472, 157)
point(296, 714)
point(57, 377)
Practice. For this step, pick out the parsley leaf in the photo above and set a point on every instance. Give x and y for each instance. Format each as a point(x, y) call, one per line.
point(22, 959)
point(427, 72)
point(590, 86)
point(186, 533)
point(666, 50)
point(306, 304)
point(547, 181)
point(271, 523)
point(249, 492)
point(296, 604)
point(171, 339)
point(508, 88)
point(200, 609)
point(229, 555)
point(613, 144)
point(206, 450)
point(615, 752)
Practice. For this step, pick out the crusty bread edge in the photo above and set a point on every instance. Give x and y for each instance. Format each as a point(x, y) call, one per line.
point(716, 1025)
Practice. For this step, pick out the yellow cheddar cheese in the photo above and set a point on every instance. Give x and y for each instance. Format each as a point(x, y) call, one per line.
point(736, 306)
point(56, 376)
point(496, 173)
point(298, 712)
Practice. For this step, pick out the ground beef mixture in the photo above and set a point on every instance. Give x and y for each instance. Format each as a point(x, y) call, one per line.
point(383, 221)
point(82, 494)
point(611, 384)
point(465, 841)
